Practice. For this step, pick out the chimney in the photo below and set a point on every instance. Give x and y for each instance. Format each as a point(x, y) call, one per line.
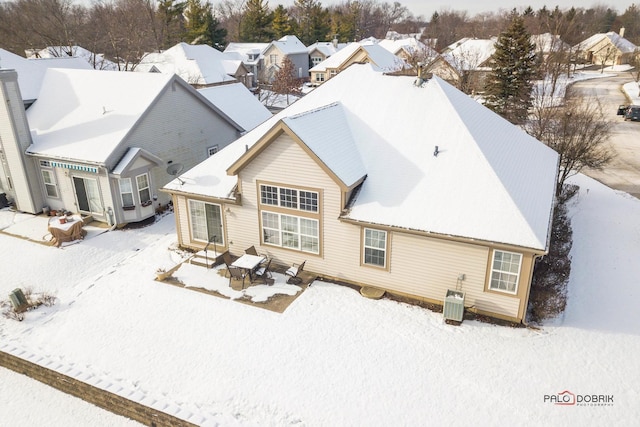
point(335, 41)
point(622, 32)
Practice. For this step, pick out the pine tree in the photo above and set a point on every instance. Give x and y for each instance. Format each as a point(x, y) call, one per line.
point(256, 23)
point(313, 21)
point(508, 88)
point(281, 24)
point(202, 27)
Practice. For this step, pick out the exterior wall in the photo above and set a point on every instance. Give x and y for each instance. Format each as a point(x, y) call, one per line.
point(420, 266)
point(19, 176)
point(300, 61)
point(605, 52)
point(180, 128)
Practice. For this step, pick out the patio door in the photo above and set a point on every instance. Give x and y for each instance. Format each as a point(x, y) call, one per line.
point(87, 195)
point(206, 221)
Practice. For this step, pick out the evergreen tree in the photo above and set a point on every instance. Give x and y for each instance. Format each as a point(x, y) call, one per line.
point(509, 85)
point(312, 20)
point(282, 23)
point(170, 16)
point(256, 23)
point(202, 27)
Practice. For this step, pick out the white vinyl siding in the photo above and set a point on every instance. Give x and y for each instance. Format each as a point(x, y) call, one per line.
point(505, 271)
point(50, 183)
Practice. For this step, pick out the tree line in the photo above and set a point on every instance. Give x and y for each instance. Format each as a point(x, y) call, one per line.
point(124, 30)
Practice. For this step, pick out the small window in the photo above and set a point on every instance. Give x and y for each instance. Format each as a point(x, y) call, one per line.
point(268, 195)
point(505, 271)
point(375, 247)
point(126, 191)
point(288, 198)
point(273, 59)
point(144, 192)
point(212, 150)
point(319, 77)
point(309, 201)
point(49, 183)
point(45, 163)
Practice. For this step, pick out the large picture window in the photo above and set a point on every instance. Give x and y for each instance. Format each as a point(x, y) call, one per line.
point(206, 221)
point(291, 232)
point(505, 271)
point(49, 183)
point(375, 247)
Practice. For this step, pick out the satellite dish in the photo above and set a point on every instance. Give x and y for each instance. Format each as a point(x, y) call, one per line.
point(174, 169)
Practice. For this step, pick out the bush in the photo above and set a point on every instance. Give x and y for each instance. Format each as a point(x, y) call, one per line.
point(548, 296)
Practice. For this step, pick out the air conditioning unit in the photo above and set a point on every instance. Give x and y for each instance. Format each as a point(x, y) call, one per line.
point(453, 306)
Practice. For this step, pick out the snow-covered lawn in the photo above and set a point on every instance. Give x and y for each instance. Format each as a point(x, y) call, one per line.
point(333, 357)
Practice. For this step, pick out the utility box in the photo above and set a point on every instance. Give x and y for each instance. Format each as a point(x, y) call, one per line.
point(18, 300)
point(453, 306)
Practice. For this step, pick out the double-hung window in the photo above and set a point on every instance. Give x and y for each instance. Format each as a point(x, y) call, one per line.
point(49, 183)
point(375, 247)
point(144, 192)
point(126, 192)
point(297, 226)
point(505, 271)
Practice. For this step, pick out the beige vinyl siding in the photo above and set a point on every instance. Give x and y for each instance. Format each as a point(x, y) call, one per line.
point(420, 266)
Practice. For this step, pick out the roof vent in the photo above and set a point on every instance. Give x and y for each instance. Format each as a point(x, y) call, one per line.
point(436, 152)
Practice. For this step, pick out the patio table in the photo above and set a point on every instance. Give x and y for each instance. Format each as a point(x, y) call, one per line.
point(67, 231)
point(249, 263)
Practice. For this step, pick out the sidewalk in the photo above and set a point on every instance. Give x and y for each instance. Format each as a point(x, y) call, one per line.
point(35, 227)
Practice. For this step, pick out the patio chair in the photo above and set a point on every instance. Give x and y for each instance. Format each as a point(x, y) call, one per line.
point(251, 251)
point(236, 273)
point(294, 273)
point(226, 258)
point(264, 273)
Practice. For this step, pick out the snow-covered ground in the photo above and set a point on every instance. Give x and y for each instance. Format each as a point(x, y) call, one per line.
point(333, 357)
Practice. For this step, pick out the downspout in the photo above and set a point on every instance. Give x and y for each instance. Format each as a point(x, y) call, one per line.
point(109, 211)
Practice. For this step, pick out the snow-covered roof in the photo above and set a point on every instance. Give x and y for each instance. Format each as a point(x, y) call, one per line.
point(83, 115)
point(30, 73)
point(64, 62)
point(410, 45)
point(289, 45)
point(548, 42)
point(379, 57)
point(489, 181)
point(326, 48)
point(249, 53)
point(469, 54)
point(237, 102)
point(624, 45)
point(95, 60)
point(196, 64)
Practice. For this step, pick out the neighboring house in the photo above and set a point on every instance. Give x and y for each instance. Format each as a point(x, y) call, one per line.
point(548, 45)
point(466, 64)
point(410, 50)
point(286, 47)
point(319, 51)
point(606, 49)
point(376, 181)
point(250, 54)
point(95, 60)
point(199, 65)
point(99, 142)
point(356, 53)
point(238, 103)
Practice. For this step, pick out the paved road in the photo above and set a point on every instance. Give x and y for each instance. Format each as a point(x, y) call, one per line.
point(623, 173)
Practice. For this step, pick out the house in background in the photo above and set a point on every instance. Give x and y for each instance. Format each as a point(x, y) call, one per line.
point(319, 51)
point(286, 47)
point(250, 54)
point(410, 50)
point(366, 51)
point(100, 142)
point(606, 49)
point(466, 63)
point(383, 191)
point(548, 45)
point(199, 65)
point(95, 60)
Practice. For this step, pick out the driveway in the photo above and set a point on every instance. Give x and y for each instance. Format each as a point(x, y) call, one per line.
point(623, 173)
